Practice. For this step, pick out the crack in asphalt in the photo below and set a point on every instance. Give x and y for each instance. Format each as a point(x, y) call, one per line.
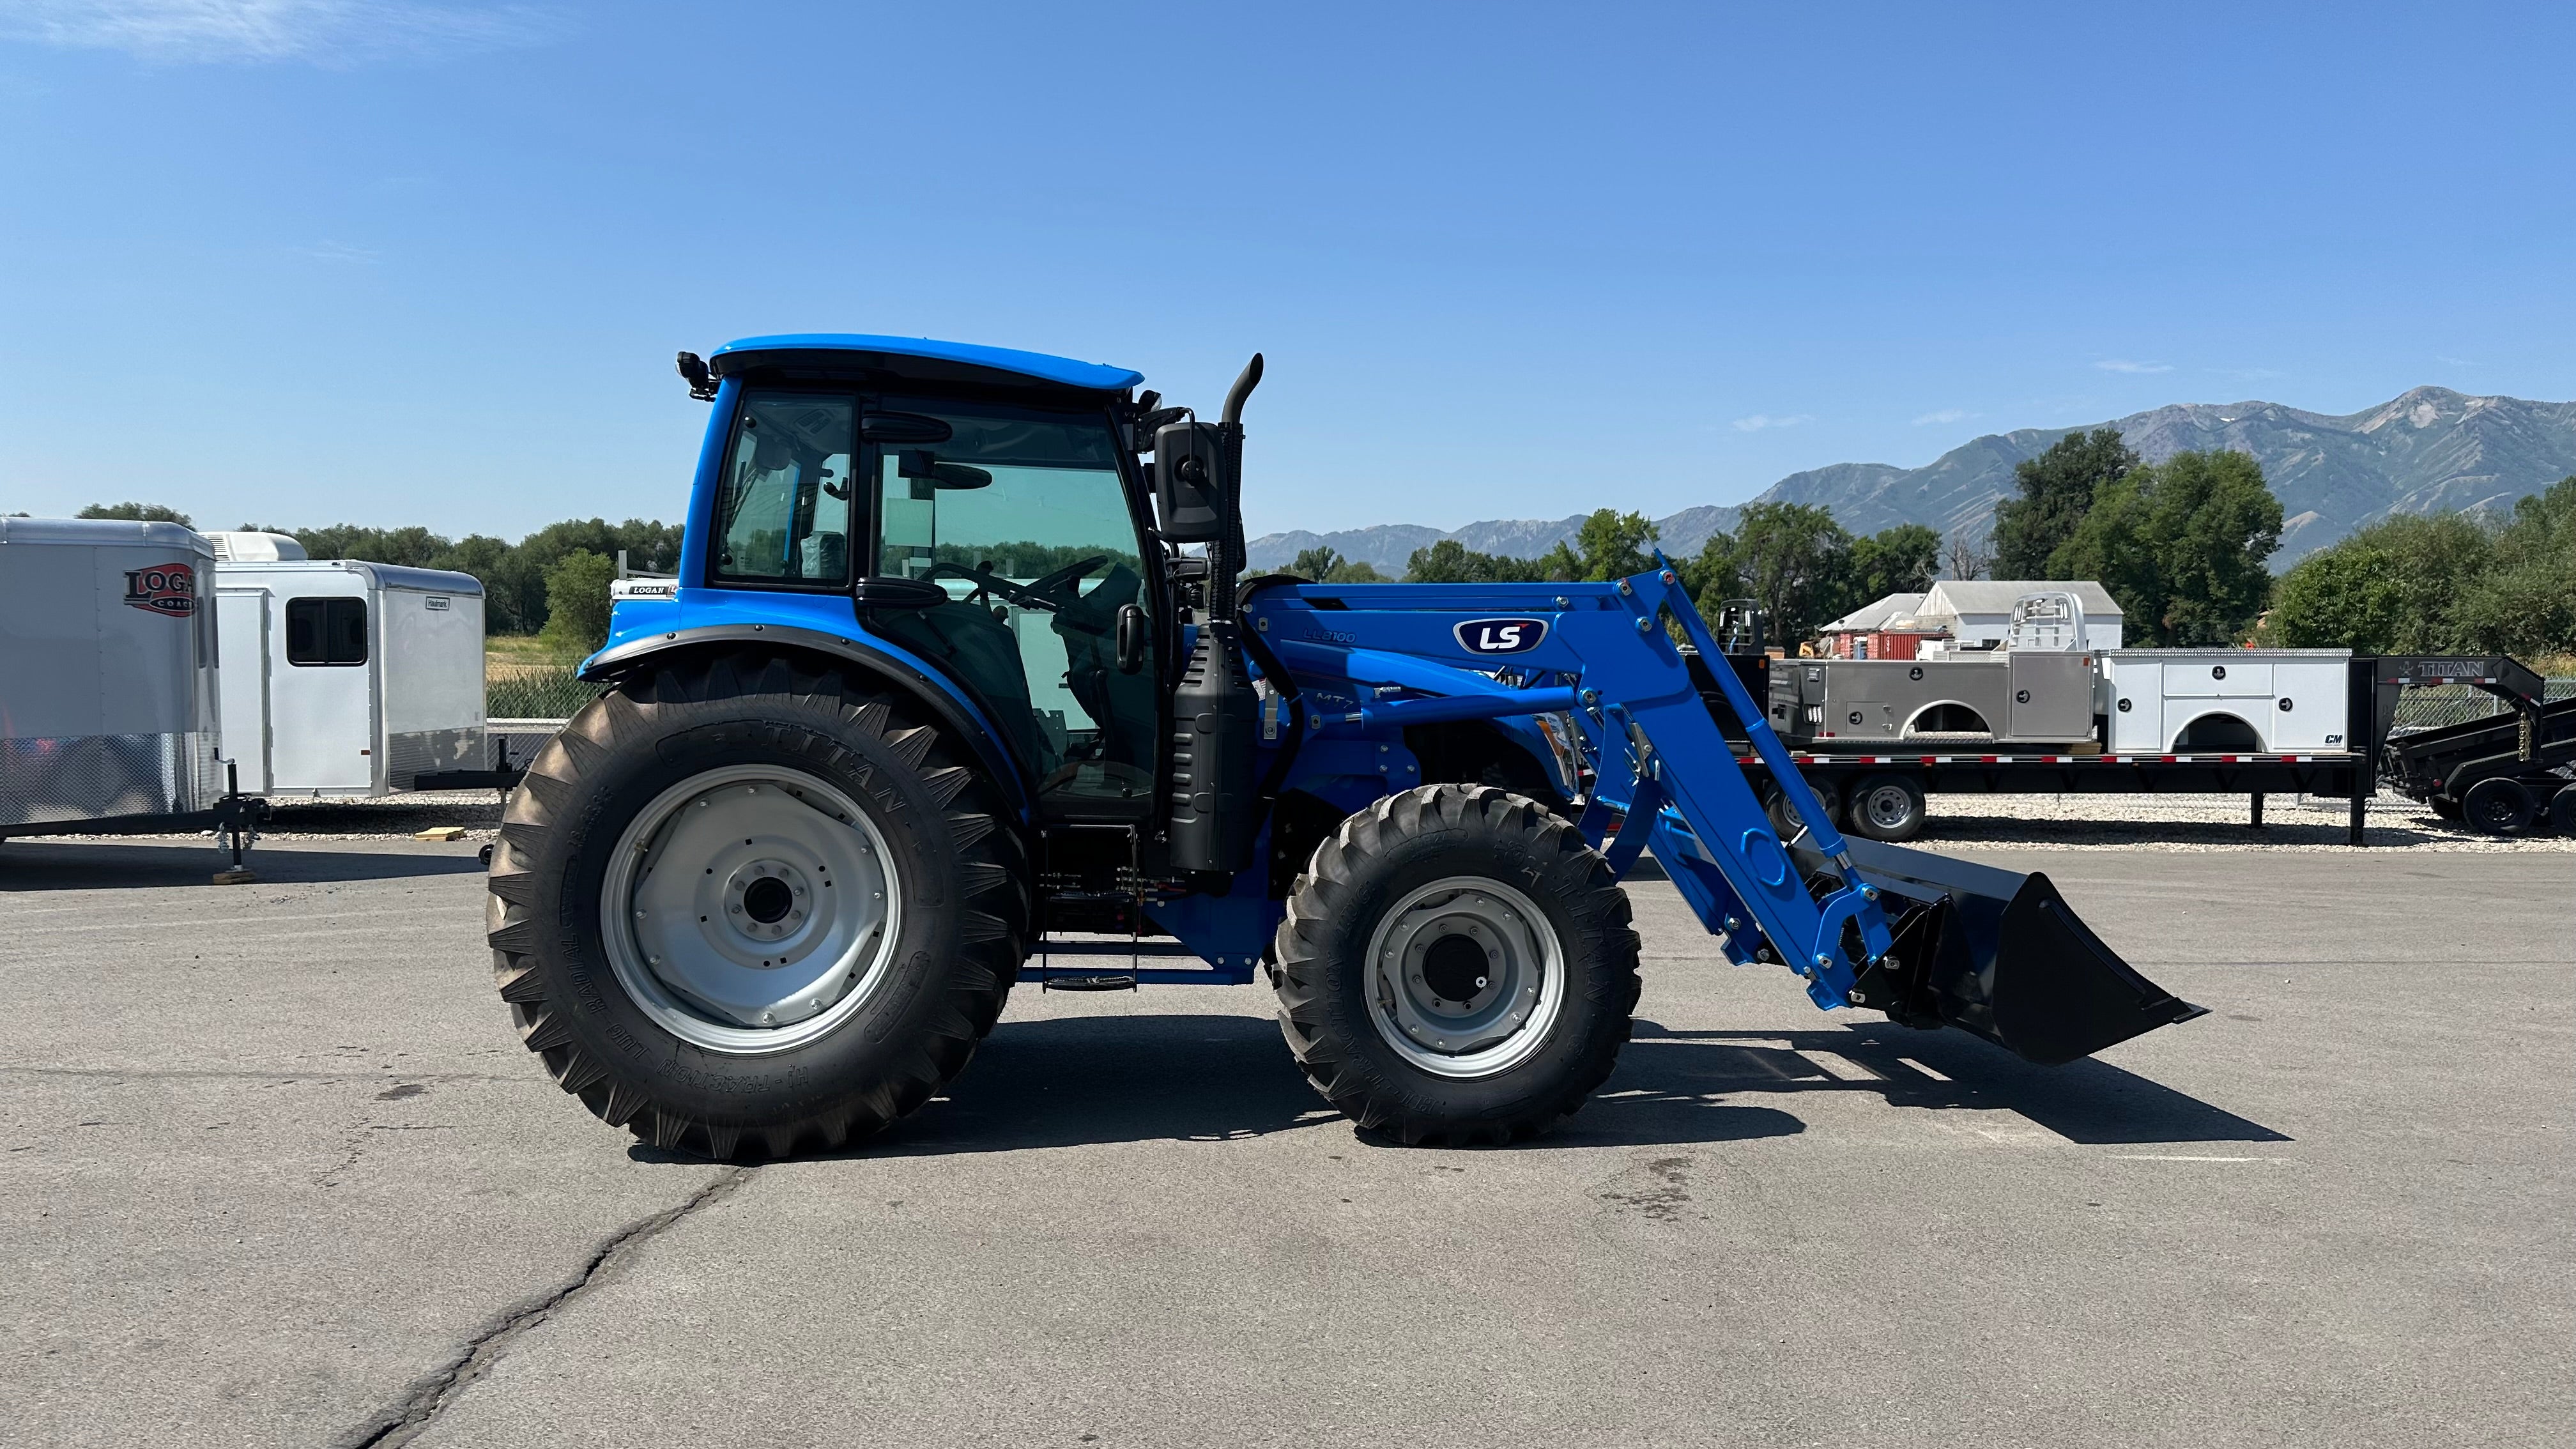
point(431, 1395)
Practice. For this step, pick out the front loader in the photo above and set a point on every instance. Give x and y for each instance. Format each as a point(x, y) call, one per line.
point(960, 685)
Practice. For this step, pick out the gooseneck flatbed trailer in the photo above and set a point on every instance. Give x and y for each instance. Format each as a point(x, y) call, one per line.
point(942, 687)
point(2517, 763)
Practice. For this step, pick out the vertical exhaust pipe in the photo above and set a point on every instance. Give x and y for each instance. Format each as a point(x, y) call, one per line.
point(1214, 711)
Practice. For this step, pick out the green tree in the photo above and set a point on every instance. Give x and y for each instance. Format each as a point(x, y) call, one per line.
point(1452, 562)
point(137, 513)
point(1314, 563)
point(1613, 545)
point(1560, 564)
point(2183, 546)
point(513, 575)
point(2345, 597)
point(2525, 603)
point(1325, 566)
point(1791, 557)
point(1903, 559)
point(2058, 489)
point(1710, 575)
point(2396, 586)
point(577, 601)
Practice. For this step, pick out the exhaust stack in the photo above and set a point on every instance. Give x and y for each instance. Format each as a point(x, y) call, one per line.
point(1214, 711)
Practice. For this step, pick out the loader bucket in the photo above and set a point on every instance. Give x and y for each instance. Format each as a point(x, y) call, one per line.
point(2003, 956)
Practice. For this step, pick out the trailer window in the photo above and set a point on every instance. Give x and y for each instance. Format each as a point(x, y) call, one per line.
point(326, 631)
point(783, 509)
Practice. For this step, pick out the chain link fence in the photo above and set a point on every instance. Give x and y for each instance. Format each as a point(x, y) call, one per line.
point(2450, 704)
point(533, 689)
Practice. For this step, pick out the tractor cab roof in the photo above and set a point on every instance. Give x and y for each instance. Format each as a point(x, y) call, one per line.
point(918, 359)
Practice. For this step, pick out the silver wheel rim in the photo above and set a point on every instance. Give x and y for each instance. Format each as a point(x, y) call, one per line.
point(750, 909)
point(1889, 806)
point(1438, 1008)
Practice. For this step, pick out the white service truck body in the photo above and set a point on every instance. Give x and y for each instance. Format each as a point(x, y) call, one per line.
point(2273, 701)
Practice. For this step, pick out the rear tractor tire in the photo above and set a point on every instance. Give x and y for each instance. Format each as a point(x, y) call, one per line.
point(746, 907)
point(1456, 967)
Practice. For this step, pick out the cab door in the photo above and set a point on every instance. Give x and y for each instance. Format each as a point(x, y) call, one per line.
point(1022, 521)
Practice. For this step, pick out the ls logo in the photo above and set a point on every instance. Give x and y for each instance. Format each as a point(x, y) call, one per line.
point(1500, 636)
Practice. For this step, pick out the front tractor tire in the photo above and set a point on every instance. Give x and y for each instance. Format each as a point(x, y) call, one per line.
point(745, 906)
point(1456, 967)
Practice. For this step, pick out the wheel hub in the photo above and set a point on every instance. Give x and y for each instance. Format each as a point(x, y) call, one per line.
point(750, 908)
point(766, 899)
point(1467, 977)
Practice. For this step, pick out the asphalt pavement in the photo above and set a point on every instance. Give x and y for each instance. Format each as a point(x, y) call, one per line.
point(276, 1172)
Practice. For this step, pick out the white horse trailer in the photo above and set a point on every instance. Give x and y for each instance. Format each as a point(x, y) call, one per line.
point(351, 679)
point(108, 687)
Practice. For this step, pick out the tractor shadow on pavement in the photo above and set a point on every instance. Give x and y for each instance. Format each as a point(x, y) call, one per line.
point(1079, 1080)
point(2087, 1101)
point(37, 864)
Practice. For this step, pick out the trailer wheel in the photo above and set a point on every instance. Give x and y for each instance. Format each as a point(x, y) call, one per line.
point(1887, 807)
point(1456, 967)
point(2562, 811)
point(1785, 821)
point(2498, 806)
point(743, 907)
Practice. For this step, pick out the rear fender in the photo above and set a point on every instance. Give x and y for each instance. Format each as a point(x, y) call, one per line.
point(921, 681)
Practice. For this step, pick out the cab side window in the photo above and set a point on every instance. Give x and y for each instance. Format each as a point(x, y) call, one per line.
point(783, 505)
point(326, 631)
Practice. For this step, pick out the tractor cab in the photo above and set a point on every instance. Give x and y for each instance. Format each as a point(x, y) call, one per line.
point(977, 509)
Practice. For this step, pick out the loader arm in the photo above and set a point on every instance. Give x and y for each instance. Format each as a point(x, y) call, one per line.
point(1926, 938)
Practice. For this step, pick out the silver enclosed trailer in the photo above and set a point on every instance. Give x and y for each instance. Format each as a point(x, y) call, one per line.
point(352, 679)
point(109, 707)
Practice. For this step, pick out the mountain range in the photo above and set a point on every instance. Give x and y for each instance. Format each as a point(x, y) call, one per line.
point(2426, 451)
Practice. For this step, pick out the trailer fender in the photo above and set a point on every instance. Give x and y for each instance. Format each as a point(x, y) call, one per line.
point(943, 698)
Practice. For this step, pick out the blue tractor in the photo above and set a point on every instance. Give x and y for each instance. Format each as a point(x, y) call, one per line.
point(959, 670)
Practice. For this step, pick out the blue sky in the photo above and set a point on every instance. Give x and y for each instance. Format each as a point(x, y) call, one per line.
point(311, 261)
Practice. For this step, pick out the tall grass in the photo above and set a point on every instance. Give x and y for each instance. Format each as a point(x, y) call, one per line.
point(526, 678)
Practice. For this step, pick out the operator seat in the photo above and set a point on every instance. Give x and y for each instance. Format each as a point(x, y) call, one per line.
point(1124, 705)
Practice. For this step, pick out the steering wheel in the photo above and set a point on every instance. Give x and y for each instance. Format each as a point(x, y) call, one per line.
point(1039, 593)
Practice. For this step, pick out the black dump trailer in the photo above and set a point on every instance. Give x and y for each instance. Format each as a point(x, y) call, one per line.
point(2504, 774)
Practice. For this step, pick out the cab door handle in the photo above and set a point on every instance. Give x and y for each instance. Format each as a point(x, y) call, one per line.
point(1131, 638)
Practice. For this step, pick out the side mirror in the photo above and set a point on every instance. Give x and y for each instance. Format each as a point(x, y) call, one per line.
point(1131, 638)
point(1188, 497)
